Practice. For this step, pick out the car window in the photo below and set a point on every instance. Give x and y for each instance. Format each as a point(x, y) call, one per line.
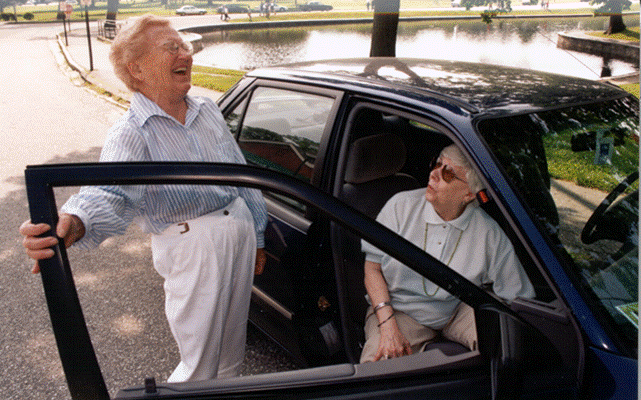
point(234, 117)
point(282, 130)
point(577, 169)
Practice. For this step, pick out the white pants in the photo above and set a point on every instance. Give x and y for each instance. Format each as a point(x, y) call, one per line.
point(208, 266)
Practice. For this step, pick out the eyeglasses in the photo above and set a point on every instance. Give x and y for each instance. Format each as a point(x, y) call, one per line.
point(448, 174)
point(174, 47)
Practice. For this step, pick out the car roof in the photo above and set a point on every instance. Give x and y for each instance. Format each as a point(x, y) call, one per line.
point(473, 86)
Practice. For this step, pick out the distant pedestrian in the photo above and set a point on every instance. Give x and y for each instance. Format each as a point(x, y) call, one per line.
point(249, 14)
point(226, 13)
point(368, 5)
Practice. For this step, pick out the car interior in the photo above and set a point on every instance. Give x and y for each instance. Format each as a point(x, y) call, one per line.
point(373, 174)
point(389, 153)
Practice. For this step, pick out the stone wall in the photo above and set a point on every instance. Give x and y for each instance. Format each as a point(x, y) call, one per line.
point(611, 48)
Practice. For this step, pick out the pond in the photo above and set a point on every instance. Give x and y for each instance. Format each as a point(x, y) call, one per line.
point(525, 43)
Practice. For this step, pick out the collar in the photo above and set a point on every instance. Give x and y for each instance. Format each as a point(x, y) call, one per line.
point(142, 109)
point(460, 223)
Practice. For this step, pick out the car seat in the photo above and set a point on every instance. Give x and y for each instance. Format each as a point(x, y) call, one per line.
point(372, 177)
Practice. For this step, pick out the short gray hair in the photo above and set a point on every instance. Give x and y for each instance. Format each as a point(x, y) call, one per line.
point(454, 153)
point(130, 44)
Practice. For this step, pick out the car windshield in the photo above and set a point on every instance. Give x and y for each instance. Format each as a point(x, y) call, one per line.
point(577, 169)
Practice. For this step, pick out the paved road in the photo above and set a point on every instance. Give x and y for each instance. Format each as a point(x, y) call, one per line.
point(46, 118)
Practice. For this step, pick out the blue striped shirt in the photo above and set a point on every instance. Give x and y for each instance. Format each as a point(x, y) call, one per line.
point(147, 133)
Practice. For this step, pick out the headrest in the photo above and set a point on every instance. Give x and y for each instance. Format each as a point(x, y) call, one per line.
point(368, 121)
point(375, 157)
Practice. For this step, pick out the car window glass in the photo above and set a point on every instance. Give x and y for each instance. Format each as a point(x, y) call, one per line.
point(282, 130)
point(576, 169)
point(233, 118)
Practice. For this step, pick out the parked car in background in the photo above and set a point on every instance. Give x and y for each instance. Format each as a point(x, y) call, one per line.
point(190, 10)
point(456, 3)
point(280, 8)
point(234, 8)
point(315, 6)
point(329, 142)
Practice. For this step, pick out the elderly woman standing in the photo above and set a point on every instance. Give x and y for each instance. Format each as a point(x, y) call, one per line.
point(408, 311)
point(207, 241)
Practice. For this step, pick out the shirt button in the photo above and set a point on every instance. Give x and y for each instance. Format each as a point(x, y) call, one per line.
point(226, 212)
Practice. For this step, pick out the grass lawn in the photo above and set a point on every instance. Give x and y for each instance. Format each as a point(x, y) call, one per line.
point(215, 78)
point(579, 167)
point(631, 34)
point(631, 88)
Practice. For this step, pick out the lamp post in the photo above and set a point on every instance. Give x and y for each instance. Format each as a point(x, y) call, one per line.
point(62, 12)
point(86, 4)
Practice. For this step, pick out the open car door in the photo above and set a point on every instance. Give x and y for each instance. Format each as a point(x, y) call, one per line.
point(514, 360)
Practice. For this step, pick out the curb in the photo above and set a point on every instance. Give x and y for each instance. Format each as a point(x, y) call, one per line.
point(619, 49)
point(621, 79)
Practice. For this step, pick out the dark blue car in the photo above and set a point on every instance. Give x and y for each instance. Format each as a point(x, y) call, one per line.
point(329, 143)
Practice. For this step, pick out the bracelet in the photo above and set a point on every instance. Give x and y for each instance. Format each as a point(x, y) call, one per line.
point(388, 318)
point(381, 305)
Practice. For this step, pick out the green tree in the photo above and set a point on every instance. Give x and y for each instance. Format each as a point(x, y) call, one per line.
point(502, 6)
point(613, 8)
point(385, 28)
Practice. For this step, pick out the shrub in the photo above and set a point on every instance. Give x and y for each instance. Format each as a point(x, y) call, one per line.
point(8, 17)
point(28, 16)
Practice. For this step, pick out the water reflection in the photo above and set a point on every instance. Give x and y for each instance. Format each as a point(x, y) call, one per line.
point(527, 43)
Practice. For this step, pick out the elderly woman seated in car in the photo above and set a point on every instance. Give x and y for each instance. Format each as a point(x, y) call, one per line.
point(407, 311)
